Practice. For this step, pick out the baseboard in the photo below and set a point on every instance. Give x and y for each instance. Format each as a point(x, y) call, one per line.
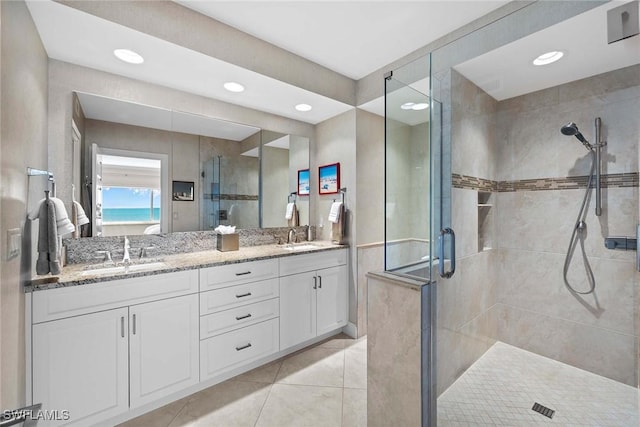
point(351, 330)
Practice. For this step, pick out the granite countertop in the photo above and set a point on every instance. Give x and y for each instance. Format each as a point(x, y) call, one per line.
point(72, 275)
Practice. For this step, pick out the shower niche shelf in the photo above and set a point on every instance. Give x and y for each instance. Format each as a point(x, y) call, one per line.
point(485, 220)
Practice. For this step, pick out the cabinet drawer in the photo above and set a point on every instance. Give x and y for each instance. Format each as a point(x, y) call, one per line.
point(234, 274)
point(313, 261)
point(229, 320)
point(235, 296)
point(234, 349)
point(75, 300)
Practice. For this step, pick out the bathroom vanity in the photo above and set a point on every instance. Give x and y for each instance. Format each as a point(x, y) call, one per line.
point(110, 346)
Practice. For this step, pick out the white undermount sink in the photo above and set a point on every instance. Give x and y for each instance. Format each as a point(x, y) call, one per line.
point(124, 268)
point(304, 247)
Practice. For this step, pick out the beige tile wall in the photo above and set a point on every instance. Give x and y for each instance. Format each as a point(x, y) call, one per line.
point(519, 296)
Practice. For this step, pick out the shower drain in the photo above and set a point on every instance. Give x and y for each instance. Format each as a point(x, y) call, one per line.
point(547, 412)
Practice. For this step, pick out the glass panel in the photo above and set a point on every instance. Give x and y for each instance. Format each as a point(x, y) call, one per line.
point(408, 178)
point(510, 333)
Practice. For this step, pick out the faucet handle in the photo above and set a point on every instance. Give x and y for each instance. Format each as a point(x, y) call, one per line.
point(104, 255)
point(144, 251)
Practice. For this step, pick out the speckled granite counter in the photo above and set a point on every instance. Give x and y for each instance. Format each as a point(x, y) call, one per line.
point(72, 275)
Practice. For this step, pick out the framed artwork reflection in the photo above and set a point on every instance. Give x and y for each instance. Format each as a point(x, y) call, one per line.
point(182, 191)
point(303, 182)
point(329, 178)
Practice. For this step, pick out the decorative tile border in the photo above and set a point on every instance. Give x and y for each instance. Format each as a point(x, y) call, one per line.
point(616, 180)
point(231, 197)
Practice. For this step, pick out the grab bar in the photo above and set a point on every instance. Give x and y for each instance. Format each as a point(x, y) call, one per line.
point(443, 233)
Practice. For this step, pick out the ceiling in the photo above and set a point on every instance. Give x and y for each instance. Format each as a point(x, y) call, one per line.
point(583, 39)
point(352, 38)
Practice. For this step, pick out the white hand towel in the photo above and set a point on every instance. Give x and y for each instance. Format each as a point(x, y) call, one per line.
point(290, 208)
point(64, 225)
point(82, 216)
point(334, 214)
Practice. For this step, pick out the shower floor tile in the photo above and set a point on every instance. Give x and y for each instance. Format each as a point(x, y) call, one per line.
point(502, 386)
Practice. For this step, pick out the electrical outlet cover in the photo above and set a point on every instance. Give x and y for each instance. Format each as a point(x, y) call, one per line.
point(13, 243)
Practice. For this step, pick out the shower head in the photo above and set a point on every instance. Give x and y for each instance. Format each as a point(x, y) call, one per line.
point(571, 129)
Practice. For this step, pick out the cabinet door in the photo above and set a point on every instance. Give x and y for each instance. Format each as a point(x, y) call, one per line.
point(164, 354)
point(297, 309)
point(81, 364)
point(332, 299)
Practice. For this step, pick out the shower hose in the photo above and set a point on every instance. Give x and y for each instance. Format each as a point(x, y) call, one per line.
point(578, 236)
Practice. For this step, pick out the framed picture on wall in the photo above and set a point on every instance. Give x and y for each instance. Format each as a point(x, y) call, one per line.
point(303, 182)
point(182, 191)
point(329, 178)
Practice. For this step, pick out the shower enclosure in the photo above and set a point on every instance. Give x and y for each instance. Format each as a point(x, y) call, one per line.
point(504, 341)
point(230, 192)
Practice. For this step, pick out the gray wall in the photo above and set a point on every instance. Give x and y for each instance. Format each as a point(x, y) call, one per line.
point(336, 142)
point(23, 144)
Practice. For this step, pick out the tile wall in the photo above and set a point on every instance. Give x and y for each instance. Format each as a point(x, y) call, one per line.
point(537, 177)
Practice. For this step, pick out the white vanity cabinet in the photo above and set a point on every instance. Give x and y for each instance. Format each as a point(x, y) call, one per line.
point(312, 302)
point(81, 364)
point(163, 348)
point(239, 315)
point(101, 364)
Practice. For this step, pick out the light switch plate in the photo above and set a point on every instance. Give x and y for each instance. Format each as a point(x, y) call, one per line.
point(14, 242)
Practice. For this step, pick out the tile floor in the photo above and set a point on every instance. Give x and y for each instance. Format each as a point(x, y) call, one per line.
point(502, 386)
point(325, 385)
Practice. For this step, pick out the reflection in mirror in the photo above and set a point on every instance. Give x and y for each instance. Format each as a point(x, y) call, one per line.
point(221, 158)
point(230, 189)
point(283, 156)
point(127, 195)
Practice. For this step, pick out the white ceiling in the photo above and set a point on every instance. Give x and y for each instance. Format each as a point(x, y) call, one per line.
point(508, 71)
point(353, 38)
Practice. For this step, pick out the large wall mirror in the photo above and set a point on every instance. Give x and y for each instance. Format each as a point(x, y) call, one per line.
point(215, 172)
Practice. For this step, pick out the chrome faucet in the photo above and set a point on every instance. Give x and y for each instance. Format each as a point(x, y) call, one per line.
point(125, 258)
point(291, 235)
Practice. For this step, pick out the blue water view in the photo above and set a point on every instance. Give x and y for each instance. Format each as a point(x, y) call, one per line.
point(130, 214)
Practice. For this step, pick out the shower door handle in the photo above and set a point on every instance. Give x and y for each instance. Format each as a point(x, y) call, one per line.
point(452, 255)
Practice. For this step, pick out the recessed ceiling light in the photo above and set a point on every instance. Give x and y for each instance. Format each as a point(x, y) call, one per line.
point(548, 58)
point(234, 87)
point(128, 56)
point(415, 107)
point(303, 107)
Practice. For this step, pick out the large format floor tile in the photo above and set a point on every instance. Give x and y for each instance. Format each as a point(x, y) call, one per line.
point(299, 405)
point(317, 366)
point(229, 404)
point(306, 388)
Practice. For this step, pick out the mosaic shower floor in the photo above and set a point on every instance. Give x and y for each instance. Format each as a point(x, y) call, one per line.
point(503, 385)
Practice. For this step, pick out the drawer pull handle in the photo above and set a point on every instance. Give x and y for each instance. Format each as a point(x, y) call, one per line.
point(243, 347)
point(320, 285)
point(134, 324)
point(122, 326)
point(315, 282)
point(248, 294)
point(246, 316)
point(243, 274)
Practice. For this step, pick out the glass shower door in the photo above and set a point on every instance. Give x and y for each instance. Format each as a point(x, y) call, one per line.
point(409, 198)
